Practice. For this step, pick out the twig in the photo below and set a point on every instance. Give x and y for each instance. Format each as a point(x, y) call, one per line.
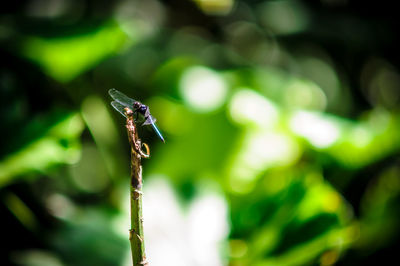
point(136, 236)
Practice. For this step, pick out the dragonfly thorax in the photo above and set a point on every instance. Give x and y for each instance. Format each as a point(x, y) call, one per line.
point(140, 108)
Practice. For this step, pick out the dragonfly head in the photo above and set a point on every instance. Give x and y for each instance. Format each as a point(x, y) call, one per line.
point(136, 105)
point(140, 108)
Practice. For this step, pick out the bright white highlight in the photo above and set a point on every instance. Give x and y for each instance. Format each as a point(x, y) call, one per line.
point(177, 238)
point(268, 149)
point(249, 107)
point(261, 150)
point(316, 128)
point(203, 89)
point(207, 227)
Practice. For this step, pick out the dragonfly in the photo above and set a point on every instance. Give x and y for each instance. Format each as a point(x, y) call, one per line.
point(121, 101)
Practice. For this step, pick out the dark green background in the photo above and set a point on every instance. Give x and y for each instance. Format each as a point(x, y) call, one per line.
point(296, 147)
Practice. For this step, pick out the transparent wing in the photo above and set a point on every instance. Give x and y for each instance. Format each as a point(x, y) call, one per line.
point(150, 120)
point(121, 98)
point(119, 107)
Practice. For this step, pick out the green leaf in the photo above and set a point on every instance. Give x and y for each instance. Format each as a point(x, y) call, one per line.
point(60, 144)
point(67, 57)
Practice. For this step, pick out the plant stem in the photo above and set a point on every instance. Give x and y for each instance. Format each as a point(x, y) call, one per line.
point(136, 236)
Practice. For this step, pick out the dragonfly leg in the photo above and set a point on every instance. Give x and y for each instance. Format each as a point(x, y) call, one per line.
point(137, 115)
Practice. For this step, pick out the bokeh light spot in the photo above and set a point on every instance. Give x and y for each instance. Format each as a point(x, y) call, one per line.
point(203, 89)
point(238, 248)
point(260, 151)
point(329, 258)
point(249, 107)
point(361, 137)
point(90, 174)
point(318, 130)
point(284, 17)
point(60, 206)
point(36, 257)
point(331, 202)
point(305, 95)
point(324, 75)
point(380, 82)
point(268, 149)
point(215, 7)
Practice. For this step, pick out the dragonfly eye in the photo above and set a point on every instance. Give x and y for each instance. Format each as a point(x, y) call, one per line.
point(136, 105)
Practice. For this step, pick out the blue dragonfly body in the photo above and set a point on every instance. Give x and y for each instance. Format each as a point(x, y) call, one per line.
point(121, 101)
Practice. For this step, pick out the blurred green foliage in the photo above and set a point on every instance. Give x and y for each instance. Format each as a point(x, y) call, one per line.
point(281, 121)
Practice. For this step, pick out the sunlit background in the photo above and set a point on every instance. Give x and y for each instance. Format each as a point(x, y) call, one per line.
point(281, 121)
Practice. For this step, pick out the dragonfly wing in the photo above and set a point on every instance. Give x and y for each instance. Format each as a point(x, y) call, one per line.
point(147, 114)
point(121, 98)
point(119, 107)
point(150, 120)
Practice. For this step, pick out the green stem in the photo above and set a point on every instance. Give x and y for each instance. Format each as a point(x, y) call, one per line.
point(136, 236)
